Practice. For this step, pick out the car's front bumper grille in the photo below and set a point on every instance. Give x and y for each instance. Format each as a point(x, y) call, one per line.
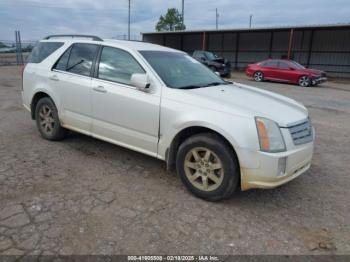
point(301, 132)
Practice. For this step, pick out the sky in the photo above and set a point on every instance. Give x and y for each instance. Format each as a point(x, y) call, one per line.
point(108, 18)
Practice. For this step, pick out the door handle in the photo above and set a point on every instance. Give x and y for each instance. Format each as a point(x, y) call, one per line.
point(54, 78)
point(100, 89)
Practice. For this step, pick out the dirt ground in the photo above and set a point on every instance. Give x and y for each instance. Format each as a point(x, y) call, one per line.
point(8, 59)
point(84, 196)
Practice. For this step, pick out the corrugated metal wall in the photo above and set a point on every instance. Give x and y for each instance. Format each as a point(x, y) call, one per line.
point(327, 49)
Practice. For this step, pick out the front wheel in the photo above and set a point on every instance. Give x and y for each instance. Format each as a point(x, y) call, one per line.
point(304, 81)
point(258, 76)
point(212, 68)
point(208, 167)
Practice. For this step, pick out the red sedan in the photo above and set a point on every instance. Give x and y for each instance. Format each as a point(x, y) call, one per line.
point(285, 71)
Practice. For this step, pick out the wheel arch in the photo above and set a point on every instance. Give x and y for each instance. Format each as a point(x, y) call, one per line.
point(37, 96)
point(187, 132)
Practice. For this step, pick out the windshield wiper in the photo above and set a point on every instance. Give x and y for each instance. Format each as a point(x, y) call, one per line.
point(205, 85)
point(217, 83)
point(78, 63)
point(190, 87)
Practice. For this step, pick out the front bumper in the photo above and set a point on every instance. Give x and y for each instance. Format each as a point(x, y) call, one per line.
point(318, 80)
point(267, 172)
point(224, 71)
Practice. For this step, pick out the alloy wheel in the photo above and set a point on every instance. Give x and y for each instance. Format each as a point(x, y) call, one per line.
point(204, 169)
point(46, 119)
point(304, 81)
point(258, 76)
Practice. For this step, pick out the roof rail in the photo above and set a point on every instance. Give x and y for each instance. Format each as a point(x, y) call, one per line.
point(94, 38)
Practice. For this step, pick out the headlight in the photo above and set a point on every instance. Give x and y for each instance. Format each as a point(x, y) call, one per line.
point(270, 136)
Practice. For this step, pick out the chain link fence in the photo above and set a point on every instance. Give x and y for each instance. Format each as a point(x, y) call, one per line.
point(9, 54)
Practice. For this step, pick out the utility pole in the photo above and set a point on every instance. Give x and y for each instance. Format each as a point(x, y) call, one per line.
point(129, 22)
point(250, 21)
point(217, 18)
point(183, 12)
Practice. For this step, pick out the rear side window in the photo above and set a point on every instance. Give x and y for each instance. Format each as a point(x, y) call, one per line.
point(271, 63)
point(283, 65)
point(62, 63)
point(42, 50)
point(199, 55)
point(80, 60)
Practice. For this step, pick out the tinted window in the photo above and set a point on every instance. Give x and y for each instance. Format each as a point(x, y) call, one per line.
point(210, 56)
point(297, 65)
point(199, 55)
point(63, 61)
point(283, 65)
point(271, 63)
point(81, 59)
point(117, 65)
point(42, 50)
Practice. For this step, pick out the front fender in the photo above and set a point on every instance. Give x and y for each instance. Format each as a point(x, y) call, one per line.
point(239, 131)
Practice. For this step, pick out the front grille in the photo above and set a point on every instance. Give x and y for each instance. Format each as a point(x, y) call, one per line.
point(301, 133)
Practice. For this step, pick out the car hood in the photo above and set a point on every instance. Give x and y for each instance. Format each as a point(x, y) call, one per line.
point(220, 60)
point(239, 99)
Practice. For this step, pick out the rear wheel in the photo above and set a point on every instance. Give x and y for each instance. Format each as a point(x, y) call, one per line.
point(304, 81)
point(258, 76)
point(47, 120)
point(208, 167)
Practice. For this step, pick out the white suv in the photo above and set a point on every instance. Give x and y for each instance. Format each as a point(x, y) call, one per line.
point(220, 136)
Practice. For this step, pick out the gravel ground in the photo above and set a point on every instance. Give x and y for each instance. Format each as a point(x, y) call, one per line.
point(84, 196)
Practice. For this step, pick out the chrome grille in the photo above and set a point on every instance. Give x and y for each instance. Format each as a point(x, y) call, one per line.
point(301, 133)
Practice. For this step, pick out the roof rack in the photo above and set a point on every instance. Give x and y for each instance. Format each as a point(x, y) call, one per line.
point(94, 38)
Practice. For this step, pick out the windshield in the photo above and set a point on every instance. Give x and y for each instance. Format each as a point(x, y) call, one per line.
point(210, 56)
point(178, 70)
point(297, 65)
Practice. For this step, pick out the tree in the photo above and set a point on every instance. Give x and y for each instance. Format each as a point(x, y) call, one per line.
point(172, 21)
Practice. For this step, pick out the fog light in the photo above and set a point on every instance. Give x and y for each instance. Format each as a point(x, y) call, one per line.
point(281, 168)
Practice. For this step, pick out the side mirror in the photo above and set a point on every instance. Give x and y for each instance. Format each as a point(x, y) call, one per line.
point(203, 59)
point(291, 68)
point(141, 82)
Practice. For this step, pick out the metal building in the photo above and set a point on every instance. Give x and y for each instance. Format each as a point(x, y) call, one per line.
point(325, 47)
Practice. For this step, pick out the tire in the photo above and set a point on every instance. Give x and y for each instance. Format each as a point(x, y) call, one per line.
point(258, 76)
point(197, 171)
point(228, 75)
point(47, 120)
point(212, 68)
point(304, 81)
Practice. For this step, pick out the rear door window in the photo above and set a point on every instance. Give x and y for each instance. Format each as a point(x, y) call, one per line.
point(43, 50)
point(62, 63)
point(271, 63)
point(199, 55)
point(81, 59)
point(283, 65)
